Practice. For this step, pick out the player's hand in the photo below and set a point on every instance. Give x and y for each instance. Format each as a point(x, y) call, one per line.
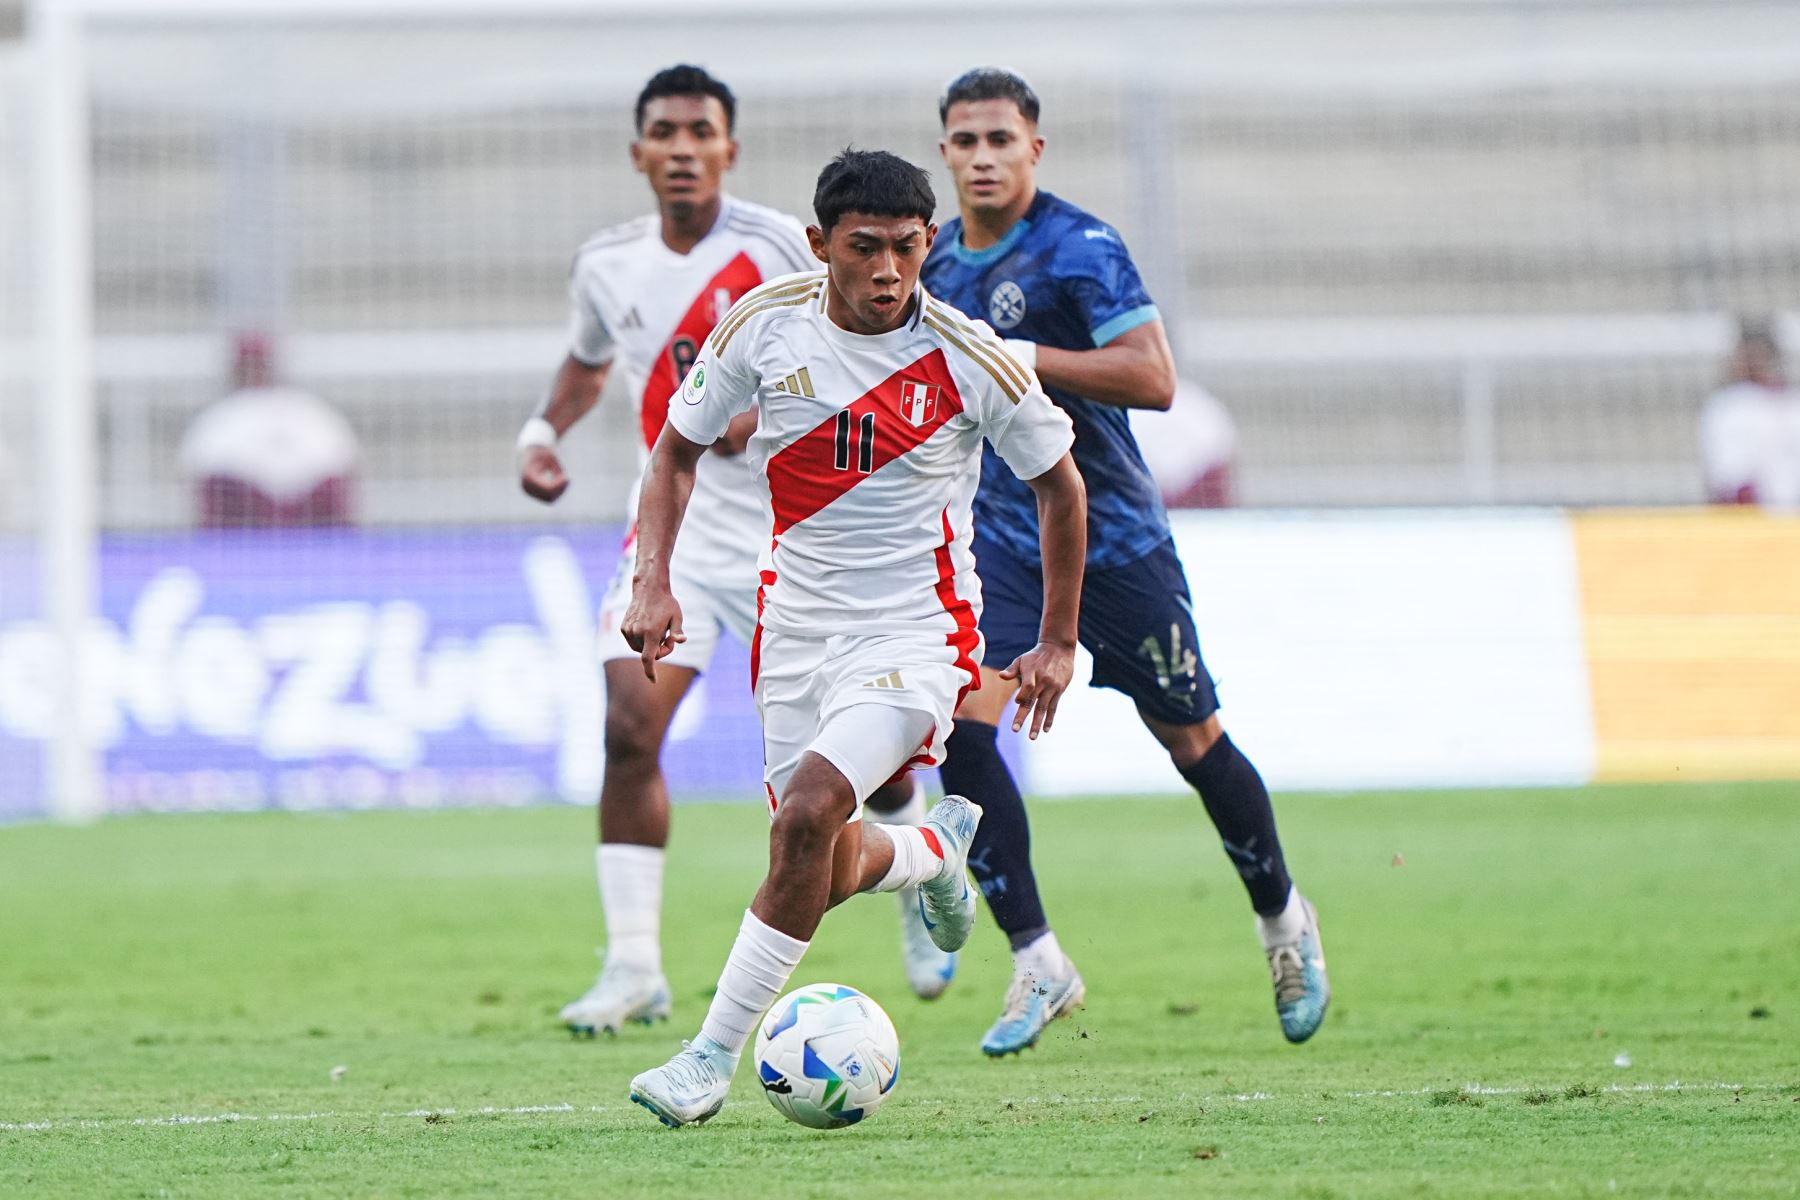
point(1043, 674)
point(541, 473)
point(652, 625)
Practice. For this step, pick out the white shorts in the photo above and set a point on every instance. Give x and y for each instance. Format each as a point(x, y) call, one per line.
point(710, 602)
point(873, 705)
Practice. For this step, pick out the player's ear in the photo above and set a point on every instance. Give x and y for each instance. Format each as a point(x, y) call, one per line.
point(731, 153)
point(815, 238)
point(930, 237)
point(944, 150)
point(637, 156)
point(1037, 147)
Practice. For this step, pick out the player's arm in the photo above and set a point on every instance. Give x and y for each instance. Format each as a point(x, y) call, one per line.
point(652, 623)
point(1134, 370)
point(715, 391)
point(1044, 671)
point(573, 395)
point(737, 434)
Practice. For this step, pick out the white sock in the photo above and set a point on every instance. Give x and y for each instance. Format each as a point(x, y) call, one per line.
point(631, 880)
point(1286, 926)
point(910, 813)
point(761, 961)
point(914, 859)
point(1043, 955)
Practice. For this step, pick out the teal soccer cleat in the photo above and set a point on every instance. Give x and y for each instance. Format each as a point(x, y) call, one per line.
point(1032, 1002)
point(621, 995)
point(947, 902)
point(690, 1088)
point(1302, 990)
point(928, 969)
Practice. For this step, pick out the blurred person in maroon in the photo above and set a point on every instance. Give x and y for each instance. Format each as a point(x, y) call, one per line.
point(268, 455)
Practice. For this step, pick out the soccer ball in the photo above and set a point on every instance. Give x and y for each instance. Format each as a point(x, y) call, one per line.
point(827, 1056)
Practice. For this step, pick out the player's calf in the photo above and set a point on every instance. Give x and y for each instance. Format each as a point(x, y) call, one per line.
point(803, 879)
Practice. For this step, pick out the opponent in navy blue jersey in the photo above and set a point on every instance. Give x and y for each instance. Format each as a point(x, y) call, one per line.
point(1061, 287)
point(1062, 278)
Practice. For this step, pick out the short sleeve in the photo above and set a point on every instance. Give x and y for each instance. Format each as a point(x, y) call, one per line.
point(1097, 275)
point(720, 385)
point(589, 339)
point(1005, 400)
point(1031, 436)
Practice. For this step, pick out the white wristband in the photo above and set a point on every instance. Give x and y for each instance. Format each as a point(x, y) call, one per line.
point(537, 432)
point(1024, 351)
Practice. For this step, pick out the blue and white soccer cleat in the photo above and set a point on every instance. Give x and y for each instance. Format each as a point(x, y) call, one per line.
point(690, 1088)
point(1302, 990)
point(621, 994)
point(928, 969)
point(947, 902)
point(1033, 1001)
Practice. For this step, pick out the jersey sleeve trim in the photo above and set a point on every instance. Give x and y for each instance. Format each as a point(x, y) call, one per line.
point(1124, 323)
point(1006, 373)
point(780, 293)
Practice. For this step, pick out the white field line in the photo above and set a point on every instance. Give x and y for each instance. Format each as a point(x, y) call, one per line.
point(1051, 1101)
point(233, 1118)
point(1477, 1089)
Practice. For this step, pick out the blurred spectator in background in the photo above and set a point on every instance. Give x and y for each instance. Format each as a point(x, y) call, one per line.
point(1750, 428)
point(268, 455)
point(1191, 450)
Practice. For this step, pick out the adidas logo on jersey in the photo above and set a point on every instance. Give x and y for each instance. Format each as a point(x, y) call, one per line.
point(631, 320)
point(890, 681)
point(797, 384)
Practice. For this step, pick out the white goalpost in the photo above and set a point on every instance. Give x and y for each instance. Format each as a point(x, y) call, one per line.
point(63, 287)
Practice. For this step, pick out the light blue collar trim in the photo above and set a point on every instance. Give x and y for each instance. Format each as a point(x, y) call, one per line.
point(981, 258)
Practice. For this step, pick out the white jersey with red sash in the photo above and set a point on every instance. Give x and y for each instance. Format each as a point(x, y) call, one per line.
point(869, 452)
point(644, 308)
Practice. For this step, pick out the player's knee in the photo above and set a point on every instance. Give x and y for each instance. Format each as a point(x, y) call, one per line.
point(1187, 744)
point(632, 740)
point(806, 820)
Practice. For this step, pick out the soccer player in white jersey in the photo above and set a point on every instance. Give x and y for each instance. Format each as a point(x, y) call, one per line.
point(643, 297)
point(869, 632)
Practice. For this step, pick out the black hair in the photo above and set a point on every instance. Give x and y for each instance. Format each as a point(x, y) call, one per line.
point(684, 79)
point(989, 83)
point(873, 182)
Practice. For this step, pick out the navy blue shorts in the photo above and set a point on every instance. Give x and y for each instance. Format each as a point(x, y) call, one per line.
point(1137, 621)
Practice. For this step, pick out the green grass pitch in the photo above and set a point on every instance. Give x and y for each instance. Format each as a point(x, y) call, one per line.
point(1494, 956)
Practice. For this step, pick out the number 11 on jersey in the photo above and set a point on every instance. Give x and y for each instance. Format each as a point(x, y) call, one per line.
point(862, 443)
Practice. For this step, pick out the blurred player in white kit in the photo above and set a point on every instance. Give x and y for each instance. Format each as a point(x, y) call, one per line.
point(643, 297)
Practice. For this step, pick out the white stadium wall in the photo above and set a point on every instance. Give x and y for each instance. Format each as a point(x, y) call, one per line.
point(1366, 650)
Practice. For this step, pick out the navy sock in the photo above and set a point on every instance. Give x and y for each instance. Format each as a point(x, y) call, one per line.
point(1238, 804)
point(1000, 859)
